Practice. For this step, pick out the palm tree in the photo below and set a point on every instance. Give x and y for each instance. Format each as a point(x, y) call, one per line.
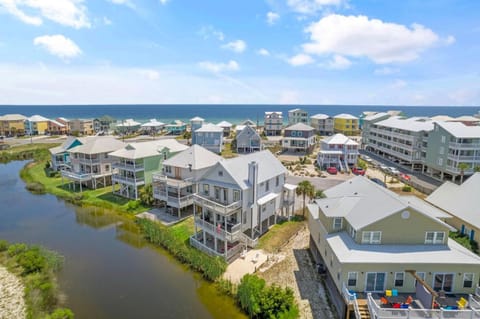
point(319, 194)
point(305, 188)
point(462, 167)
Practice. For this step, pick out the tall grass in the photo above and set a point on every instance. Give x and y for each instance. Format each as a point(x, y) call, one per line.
point(211, 268)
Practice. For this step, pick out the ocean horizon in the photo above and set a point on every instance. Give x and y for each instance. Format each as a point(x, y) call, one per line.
point(215, 113)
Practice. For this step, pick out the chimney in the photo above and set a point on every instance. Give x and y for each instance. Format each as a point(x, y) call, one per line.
point(253, 178)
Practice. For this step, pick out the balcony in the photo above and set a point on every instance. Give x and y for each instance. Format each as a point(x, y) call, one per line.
point(231, 252)
point(217, 207)
point(83, 160)
point(464, 158)
point(232, 233)
point(132, 167)
point(80, 176)
point(128, 180)
point(172, 199)
point(172, 182)
point(464, 145)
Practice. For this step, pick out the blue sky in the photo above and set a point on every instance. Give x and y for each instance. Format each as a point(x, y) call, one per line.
point(247, 51)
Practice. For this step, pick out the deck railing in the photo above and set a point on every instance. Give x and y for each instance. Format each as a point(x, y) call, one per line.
point(230, 235)
point(217, 207)
point(182, 201)
point(351, 299)
point(77, 176)
point(130, 180)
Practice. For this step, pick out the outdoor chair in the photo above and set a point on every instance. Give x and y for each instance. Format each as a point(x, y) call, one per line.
point(388, 293)
point(462, 303)
point(394, 293)
point(255, 259)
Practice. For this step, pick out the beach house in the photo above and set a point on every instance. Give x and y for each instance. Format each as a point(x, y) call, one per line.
point(374, 244)
point(127, 126)
point(135, 164)
point(337, 151)
point(36, 125)
point(59, 155)
point(227, 127)
point(237, 200)
point(273, 123)
point(346, 124)
point(248, 140)
point(322, 123)
point(462, 202)
point(179, 177)
point(297, 116)
point(90, 164)
point(299, 138)
point(209, 136)
point(56, 128)
point(103, 124)
point(176, 127)
point(152, 127)
point(81, 127)
point(12, 124)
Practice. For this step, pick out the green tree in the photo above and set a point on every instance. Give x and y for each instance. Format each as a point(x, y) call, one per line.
point(305, 188)
point(249, 294)
point(476, 169)
point(319, 194)
point(362, 164)
point(146, 195)
point(462, 167)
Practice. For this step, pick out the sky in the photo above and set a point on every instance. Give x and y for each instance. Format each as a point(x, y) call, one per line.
point(360, 52)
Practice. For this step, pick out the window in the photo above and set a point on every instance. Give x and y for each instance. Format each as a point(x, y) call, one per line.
point(164, 155)
point(293, 134)
point(434, 237)
point(236, 195)
point(467, 280)
point(352, 279)
point(220, 173)
point(421, 275)
point(107, 168)
point(443, 139)
point(371, 237)
point(277, 181)
point(217, 192)
point(399, 277)
point(264, 208)
point(440, 161)
point(441, 150)
point(337, 223)
point(206, 189)
point(168, 169)
point(225, 194)
point(267, 186)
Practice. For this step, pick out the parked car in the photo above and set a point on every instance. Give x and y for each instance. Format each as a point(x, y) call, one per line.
point(358, 171)
point(393, 170)
point(379, 182)
point(367, 158)
point(384, 167)
point(404, 176)
point(332, 170)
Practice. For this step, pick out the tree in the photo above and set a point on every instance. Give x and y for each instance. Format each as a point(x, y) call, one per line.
point(305, 188)
point(362, 164)
point(462, 167)
point(476, 169)
point(319, 194)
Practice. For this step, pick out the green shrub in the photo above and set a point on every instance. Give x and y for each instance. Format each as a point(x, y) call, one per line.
point(132, 205)
point(16, 249)
point(3, 245)
point(36, 187)
point(146, 195)
point(31, 260)
point(61, 313)
point(465, 241)
point(406, 188)
point(260, 301)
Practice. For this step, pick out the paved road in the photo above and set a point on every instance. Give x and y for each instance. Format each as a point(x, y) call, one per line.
point(416, 177)
point(318, 182)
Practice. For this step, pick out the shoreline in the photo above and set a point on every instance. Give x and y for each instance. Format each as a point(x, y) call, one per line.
point(12, 299)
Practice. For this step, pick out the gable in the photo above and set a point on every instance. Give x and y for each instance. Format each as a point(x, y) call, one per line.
point(75, 143)
point(213, 175)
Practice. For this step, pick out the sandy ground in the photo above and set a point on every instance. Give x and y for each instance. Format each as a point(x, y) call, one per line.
point(247, 264)
point(295, 269)
point(12, 304)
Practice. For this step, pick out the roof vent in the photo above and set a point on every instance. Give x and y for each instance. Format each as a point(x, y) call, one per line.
point(326, 206)
point(355, 193)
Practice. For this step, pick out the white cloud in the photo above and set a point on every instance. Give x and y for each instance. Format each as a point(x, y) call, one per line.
point(312, 6)
point(272, 17)
point(263, 52)
point(449, 40)
point(164, 1)
point(339, 62)
point(398, 84)
point(385, 71)
point(300, 59)
point(150, 74)
point(207, 32)
point(216, 67)
point(107, 21)
point(70, 13)
point(58, 45)
point(359, 36)
point(237, 46)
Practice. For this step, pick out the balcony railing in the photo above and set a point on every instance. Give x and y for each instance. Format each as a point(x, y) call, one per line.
point(231, 234)
point(172, 200)
point(88, 160)
point(351, 298)
point(77, 176)
point(470, 158)
point(128, 167)
point(230, 252)
point(217, 207)
point(475, 145)
point(170, 181)
point(129, 180)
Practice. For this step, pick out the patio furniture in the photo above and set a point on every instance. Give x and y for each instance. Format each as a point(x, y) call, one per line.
point(394, 292)
point(243, 254)
point(255, 259)
point(409, 300)
point(388, 293)
point(462, 303)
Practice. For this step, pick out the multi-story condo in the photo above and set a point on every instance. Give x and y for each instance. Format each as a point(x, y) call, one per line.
point(60, 157)
point(322, 123)
point(399, 139)
point(346, 124)
point(338, 151)
point(209, 136)
point(297, 116)
point(367, 122)
point(248, 140)
point(299, 137)
point(91, 165)
point(36, 125)
point(227, 127)
point(136, 162)
point(178, 180)
point(55, 127)
point(273, 123)
point(236, 202)
point(12, 124)
point(462, 202)
point(449, 145)
point(65, 122)
point(371, 241)
point(81, 127)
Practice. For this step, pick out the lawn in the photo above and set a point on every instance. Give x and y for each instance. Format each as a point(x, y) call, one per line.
point(102, 197)
point(279, 235)
point(228, 151)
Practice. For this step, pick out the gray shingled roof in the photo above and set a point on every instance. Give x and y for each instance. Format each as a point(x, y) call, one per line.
point(148, 149)
point(98, 145)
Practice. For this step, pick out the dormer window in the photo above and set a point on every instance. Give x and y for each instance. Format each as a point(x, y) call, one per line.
point(434, 237)
point(371, 237)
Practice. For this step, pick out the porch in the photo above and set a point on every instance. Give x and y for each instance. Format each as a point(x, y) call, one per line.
point(216, 247)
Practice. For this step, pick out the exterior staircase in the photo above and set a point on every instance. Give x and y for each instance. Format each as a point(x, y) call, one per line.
point(363, 309)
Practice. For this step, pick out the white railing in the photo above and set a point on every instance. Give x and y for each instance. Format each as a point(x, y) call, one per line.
point(464, 145)
point(477, 291)
point(171, 181)
point(130, 180)
point(234, 251)
point(230, 235)
point(194, 242)
point(182, 201)
point(351, 298)
point(127, 166)
point(217, 207)
point(78, 176)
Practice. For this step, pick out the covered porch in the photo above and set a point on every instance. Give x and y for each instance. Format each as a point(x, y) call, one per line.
point(216, 247)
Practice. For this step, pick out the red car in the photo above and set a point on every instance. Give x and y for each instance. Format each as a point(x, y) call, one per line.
point(404, 176)
point(358, 171)
point(332, 170)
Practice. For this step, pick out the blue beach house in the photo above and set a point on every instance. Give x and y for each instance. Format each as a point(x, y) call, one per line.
point(210, 136)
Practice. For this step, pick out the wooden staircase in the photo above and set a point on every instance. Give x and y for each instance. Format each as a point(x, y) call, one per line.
point(363, 308)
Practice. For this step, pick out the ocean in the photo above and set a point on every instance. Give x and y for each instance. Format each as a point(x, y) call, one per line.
point(216, 113)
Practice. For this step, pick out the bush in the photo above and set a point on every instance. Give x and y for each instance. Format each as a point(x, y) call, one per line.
point(31, 260)
point(407, 189)
point(3, 245)
point(146, 195)
point(36, 188)
point(132, 205)
point(61, 313)
point(16, 249)
point(261, 301)
point(465, 241)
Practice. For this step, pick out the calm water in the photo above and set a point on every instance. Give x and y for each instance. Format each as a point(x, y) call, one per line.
point(217, 113)
point(110, 272)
